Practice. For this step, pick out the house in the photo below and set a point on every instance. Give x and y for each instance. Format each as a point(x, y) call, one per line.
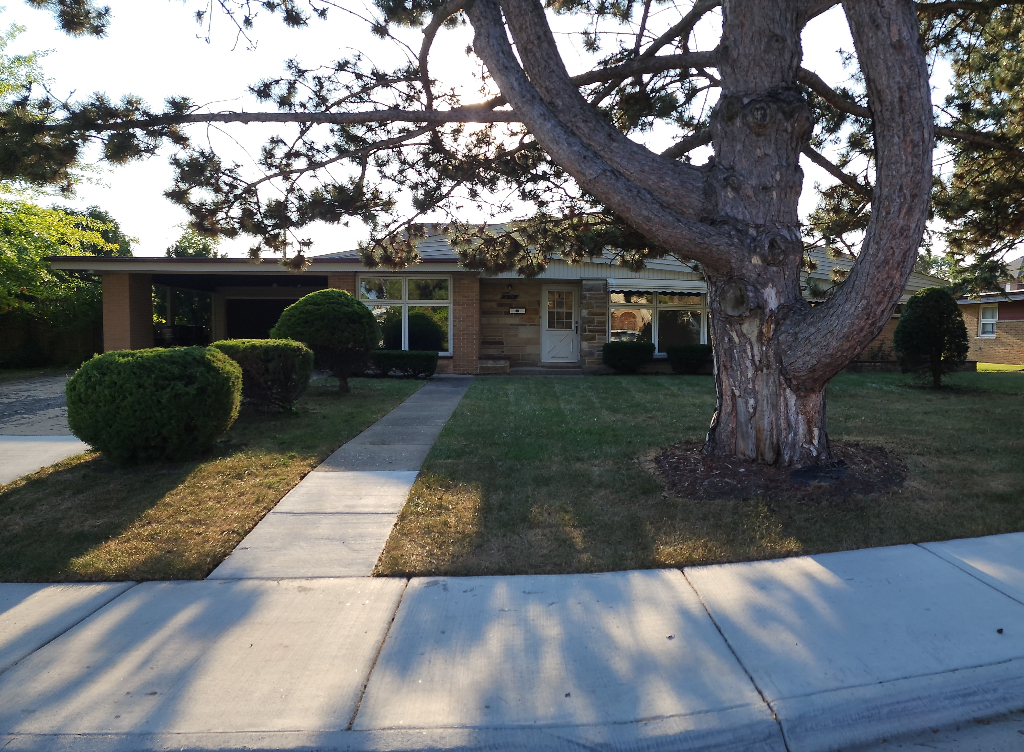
point(480, 323)
point(995, 321)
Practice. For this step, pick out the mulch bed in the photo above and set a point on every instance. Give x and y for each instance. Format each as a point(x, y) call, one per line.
point(856, 469)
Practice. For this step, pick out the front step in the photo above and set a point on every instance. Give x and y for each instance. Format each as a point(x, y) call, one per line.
point(488, 367)
point(549, 370)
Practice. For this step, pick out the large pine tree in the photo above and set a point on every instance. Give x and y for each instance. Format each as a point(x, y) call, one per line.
point(570, 146)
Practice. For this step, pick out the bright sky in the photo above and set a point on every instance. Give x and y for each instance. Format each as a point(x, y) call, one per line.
point(155, 49)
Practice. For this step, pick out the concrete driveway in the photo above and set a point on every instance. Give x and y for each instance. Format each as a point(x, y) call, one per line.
point(34, 429)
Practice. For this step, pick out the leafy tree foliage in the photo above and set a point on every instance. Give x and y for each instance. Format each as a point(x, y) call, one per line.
point(931, 338)
point(193, 245)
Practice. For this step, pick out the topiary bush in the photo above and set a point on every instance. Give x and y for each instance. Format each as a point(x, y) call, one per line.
point(688, 358)
point(275, 372)
point(627, 357)
point(419, 364)
point(931, 338)
point(152, 405)
point(339, 330)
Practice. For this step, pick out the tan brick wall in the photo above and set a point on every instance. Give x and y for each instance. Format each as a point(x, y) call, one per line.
point(514, 337)
point(127, 311)
point(343, 281)
point(465, 323)
point(1006, 347)
point(593, 323)
point(881, 346)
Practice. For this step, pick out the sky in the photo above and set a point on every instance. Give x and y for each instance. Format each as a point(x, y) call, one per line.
point(155, 49)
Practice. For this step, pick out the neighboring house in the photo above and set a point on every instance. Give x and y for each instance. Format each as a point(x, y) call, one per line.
point(995, 321)
point(485, 323)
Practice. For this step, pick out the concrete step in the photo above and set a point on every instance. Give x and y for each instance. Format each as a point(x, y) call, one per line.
point(546, 370)
point(488, 367)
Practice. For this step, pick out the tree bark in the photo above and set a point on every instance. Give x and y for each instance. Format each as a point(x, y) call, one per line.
point(738, 217)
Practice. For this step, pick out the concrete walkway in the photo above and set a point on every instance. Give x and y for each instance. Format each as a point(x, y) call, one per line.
point(34, 429)
point(797, 655)
point(335, 522)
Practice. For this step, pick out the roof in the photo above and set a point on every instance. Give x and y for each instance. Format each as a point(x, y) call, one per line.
point(987, 298)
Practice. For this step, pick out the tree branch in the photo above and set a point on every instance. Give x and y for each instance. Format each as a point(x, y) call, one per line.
point(688, 144)
point(815, 83)
point(658, 64)
point(979, 139)
point(848, 180)
point(978, 6)
point(445, 12)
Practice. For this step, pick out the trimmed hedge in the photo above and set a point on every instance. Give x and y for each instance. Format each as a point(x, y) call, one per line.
point(151, 405)
point(420, 364)
point(688, 358)
point(627, 357)
point(339, 330)
point(275, 372)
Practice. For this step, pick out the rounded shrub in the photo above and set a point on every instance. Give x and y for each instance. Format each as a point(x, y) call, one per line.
point(151, 405)
point(339, 330)
point(931, 338)
point(627, 357)
point(275, 372)
point(688, 358)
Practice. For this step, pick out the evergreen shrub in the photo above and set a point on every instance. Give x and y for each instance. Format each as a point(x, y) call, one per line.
point(931, 338)
point(627, 357)
point(419, 364)
point(154, 405)
point(688, 358)
point(339, 330)
point(275, 372)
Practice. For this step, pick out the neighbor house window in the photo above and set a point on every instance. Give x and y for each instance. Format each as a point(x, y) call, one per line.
point(414, 313)
point(664, 318)
point(987, 321)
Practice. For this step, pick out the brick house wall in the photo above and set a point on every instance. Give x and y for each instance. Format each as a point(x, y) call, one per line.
point(127, 311)
point(881, 346)
point(514, 337)
point(465, 324)
point(593, 323)
point(1007, 347)
point(344, 281)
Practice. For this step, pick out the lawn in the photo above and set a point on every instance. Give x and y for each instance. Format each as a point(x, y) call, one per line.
point(86, 519)
point(547, 475)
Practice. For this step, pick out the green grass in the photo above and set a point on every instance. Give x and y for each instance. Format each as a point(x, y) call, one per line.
point(997, 367)
point(86, 519)
point(547, 475)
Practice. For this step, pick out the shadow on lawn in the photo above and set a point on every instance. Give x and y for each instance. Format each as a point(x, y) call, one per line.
point(60, 514)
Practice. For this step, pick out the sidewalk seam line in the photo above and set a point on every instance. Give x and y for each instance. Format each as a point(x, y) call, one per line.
point(970, 574)
point(782, 731)
point(72, 626)
point(376, 657)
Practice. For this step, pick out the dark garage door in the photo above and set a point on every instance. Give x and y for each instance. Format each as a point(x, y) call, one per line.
point(247, 318)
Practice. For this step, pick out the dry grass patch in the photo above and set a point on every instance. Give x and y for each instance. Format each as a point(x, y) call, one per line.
point(547, 475)
point(86, 519)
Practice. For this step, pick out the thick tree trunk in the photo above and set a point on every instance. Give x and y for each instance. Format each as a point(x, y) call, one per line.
point(774, 353)
point(759, 127)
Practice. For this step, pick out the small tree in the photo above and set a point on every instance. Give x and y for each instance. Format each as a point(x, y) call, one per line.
point(339, 330)
point(193, 245)
point(931, 337)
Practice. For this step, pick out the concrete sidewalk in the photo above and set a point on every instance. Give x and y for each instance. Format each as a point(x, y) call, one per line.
point(278, 651)
point(335, 522)
point(804, 654)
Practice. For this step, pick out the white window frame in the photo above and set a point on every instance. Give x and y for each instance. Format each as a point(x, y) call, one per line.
point(405, 303)
point(982, 321)
point(655, 306)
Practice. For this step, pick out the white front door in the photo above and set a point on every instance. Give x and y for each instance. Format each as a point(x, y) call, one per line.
point(559, 339)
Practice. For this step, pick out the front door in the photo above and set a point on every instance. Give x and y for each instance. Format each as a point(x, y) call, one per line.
point(559, 341)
